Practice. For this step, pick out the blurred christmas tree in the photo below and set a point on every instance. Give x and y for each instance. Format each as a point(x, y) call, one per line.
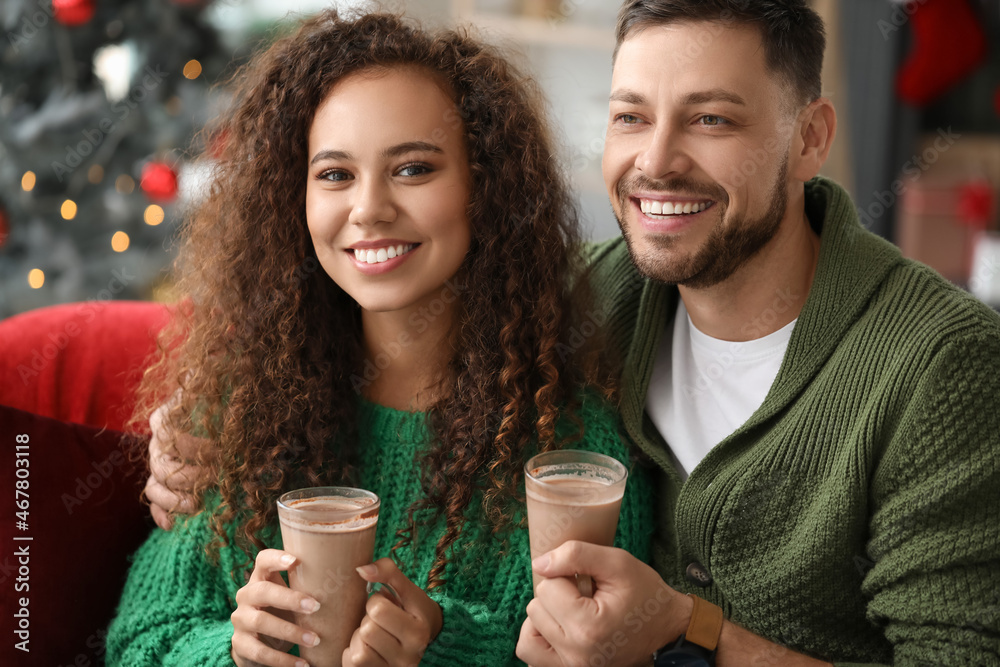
point(99, 103)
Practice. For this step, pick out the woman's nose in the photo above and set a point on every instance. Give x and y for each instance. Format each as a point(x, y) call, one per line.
point(373, 203)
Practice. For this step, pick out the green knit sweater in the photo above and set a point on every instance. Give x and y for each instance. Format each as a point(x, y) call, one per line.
point(856, 515)
point(176, 606)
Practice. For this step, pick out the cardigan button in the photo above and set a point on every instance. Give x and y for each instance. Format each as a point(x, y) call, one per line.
point(697, 574)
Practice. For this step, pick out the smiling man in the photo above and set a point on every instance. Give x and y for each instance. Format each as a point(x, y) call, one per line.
point(820, 412)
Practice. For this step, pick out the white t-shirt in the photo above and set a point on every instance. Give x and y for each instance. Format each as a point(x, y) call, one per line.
point(703, 388)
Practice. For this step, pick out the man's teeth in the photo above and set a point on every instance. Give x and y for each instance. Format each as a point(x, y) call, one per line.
point(379, 255)
point(654, 207)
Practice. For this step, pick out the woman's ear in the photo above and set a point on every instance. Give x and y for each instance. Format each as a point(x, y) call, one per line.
point(816, 129)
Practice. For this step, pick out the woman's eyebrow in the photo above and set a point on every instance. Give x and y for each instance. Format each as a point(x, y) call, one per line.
point(392, 151)
point(410, 147)
point(330, 155)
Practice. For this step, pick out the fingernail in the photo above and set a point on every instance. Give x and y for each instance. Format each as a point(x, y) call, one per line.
point(287, 559)
point(309, 604)
point(310, 639)
point(301, 663)
point(367, 570)
point(541, 562)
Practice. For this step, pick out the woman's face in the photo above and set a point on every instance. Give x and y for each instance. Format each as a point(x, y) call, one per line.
point(388, 188)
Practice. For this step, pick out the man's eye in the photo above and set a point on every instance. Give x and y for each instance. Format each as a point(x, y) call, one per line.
point(627, 119)
point(712, 121)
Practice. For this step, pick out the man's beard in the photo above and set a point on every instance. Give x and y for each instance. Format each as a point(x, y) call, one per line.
point(728, 246)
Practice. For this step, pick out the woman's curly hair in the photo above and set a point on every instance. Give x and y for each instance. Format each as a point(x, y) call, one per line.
point(265, 348)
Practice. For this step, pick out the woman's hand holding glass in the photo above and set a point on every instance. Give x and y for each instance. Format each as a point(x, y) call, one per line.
point(262, 631)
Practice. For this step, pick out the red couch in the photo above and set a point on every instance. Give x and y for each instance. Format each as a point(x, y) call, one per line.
point(78, 362)
point(67, 375)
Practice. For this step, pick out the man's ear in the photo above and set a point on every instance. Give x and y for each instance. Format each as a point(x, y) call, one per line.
point(816, 129)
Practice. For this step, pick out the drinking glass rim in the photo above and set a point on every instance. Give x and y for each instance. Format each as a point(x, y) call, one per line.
point(608, 462)
point(329, 515)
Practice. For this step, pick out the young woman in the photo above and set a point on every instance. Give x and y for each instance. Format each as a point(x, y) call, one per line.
point(380, 296)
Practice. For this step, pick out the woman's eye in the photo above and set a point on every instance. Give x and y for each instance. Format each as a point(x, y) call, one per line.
point(335, 175)
point(414, 170)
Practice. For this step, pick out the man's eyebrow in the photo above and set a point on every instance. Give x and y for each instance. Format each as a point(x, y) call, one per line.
point(627, 96)
point(391, 152)
point(701, 97)
point(714, 95)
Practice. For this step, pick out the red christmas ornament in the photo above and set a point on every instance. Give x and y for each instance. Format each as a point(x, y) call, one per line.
point(159, 182)
point(4, 227)
point(73, 13)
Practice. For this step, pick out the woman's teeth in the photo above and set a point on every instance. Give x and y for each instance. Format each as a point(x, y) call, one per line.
point(653, 207)
point(379, 255)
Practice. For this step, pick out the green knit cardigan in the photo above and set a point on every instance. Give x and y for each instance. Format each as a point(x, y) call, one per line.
point(856, 515)
point(176, 605)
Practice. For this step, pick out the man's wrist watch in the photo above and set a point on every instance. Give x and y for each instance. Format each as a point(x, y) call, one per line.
point(696, 647)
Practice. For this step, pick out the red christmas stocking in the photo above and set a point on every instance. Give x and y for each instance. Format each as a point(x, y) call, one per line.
point(950, 44)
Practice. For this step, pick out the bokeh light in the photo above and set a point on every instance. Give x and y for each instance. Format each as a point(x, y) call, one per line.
point(125, 184)
point(153, 215)
point(192, 69)
point(68, 209)
point(36, 278)
point(119, 242)
point(95, 174)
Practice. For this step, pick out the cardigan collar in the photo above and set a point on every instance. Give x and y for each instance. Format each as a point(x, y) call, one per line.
point(852, 264)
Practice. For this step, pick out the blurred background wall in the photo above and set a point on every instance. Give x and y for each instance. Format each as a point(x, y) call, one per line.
point(101, 102)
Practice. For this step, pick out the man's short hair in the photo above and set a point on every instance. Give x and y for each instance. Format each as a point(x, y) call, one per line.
point(793, 35)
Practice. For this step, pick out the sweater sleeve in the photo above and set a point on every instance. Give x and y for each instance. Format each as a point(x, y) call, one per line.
point(175, 608)
point(934, 548)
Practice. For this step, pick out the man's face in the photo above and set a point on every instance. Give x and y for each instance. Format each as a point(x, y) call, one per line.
point(697, 150)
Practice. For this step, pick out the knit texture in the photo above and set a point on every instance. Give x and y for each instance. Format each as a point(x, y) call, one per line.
point(855, 517)
point(176, 606)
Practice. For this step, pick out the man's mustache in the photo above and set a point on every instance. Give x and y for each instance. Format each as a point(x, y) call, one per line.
point(677, 186)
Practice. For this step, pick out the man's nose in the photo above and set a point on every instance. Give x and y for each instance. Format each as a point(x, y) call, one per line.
point(664, 156)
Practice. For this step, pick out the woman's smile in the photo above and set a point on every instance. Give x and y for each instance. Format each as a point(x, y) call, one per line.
point(382, 258)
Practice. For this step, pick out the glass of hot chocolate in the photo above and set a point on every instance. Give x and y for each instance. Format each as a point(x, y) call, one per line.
point(572, 495)
point(331, 531)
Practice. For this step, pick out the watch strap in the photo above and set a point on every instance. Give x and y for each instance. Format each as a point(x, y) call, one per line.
point(705, 625)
